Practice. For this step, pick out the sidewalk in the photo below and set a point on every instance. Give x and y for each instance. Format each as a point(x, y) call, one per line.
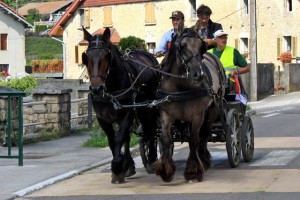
point(48, 162)
point(274, 101)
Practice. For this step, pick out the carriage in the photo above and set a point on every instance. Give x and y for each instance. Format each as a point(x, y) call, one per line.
point(189, 106)
point(235, 129)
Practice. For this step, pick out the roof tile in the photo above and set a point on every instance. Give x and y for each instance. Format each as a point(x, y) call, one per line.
point(42, 7)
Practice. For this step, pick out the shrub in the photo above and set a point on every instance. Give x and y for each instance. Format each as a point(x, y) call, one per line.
point(132, 43)
point(23, 84)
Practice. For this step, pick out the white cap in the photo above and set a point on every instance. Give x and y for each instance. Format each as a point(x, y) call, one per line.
point(219, 33)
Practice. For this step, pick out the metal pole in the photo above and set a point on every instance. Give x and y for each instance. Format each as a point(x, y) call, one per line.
point(64, 55)
point(253, 52)
point(20, 129)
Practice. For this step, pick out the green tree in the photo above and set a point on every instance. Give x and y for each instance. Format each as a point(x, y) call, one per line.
point(10, 3)
point(132, 43)
point(13, 3)
point(33, 15)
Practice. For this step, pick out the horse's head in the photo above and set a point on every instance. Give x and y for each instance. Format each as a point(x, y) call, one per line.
point(97, 59)
point(189, 49)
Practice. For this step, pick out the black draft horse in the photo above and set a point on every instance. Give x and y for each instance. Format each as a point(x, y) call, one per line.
point(116, 80)
point(195, 90)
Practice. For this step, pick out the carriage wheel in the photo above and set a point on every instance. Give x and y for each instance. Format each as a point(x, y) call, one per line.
point(233, 138)
point(247, 139)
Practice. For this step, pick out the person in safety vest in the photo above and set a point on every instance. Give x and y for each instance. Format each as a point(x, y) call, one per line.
point(178, 25)
point(231, 59)
point(205, 27)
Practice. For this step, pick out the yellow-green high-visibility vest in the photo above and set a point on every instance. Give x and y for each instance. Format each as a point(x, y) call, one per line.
point(227, 59)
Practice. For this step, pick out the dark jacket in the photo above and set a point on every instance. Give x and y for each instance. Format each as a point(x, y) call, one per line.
point(211, 28)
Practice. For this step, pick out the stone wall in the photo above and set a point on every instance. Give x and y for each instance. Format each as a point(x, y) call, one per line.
point(4, 116)
point(47, 110)
point(292, 77)
point(50, 109)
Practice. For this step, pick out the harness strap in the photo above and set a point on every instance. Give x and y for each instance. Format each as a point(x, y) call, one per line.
point(179, 96)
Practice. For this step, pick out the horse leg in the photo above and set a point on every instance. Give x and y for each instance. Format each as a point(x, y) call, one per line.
point(203, 152)
point(110, 133)
point(165, 167)
point(194, 168)
point(205, 132)
point(128, 161)
point(117, 165)
point(149, 125)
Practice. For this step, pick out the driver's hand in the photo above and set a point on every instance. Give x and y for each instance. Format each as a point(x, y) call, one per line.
point(159, 54)
point(210, 41)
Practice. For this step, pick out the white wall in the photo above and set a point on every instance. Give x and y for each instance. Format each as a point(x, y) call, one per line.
point(15, 54)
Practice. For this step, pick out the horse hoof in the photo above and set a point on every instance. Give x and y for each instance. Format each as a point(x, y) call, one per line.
point(149, 169)
point(117, 181)
point(130, 172)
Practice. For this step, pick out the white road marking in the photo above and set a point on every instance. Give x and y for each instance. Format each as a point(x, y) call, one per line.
point(270, 115)
point(277, 158)
point(50, 181)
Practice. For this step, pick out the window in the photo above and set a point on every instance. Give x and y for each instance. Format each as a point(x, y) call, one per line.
point(287, 43)
point(246, 6)
point(84, 18)
point(244, 45)
point(78, 50)
point(81, 16)
point(107, 17)
point(3, 41)
point(3, 67)
point(151, 47)
point(193, 9)
point(288, 5)
point(150, 13)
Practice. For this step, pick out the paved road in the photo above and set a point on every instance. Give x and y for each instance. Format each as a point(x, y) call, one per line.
point(46, 163)
point(264, 174)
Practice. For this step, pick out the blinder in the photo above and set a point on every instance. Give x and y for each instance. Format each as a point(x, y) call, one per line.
point(179, 48)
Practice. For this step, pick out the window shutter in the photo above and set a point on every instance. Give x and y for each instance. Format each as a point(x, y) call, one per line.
point(236, 44)
point(149, 13)
point(87, 18)
point(294, 47)
point(76, 54)
point(3, 42)
point(107, 17)
point(278, 46)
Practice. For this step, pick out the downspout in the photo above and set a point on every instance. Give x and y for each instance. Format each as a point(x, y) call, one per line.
point(64, 55)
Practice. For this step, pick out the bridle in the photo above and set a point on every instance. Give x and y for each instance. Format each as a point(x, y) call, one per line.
point(178, 49)
point(100, 46)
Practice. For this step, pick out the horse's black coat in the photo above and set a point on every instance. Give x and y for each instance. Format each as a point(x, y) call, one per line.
point(123, 79)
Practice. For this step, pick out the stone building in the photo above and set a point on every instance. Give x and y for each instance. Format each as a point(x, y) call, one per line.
point(277, 25)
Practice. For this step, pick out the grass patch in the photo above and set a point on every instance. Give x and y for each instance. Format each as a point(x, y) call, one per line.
point(38, 45)
point(99, 139)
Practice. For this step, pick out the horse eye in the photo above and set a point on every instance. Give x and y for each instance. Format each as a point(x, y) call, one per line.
point(183, 45)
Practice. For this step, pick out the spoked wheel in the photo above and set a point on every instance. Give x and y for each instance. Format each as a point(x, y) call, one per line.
point(247, 139)
point(233, 138)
